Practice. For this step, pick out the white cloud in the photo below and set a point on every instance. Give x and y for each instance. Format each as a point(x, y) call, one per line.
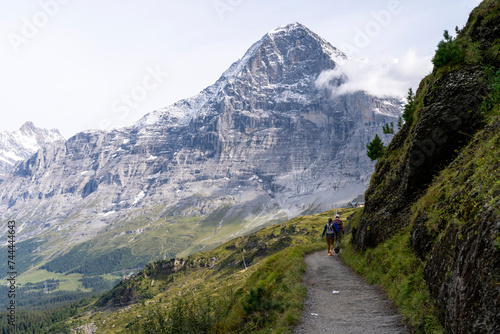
point(382, 77)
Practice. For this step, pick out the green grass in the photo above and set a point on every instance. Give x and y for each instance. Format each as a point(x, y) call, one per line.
point(394, 266)
point(67, 282)
point(36, 275)
point(41, 275)
point(268, 294)
point(72, 283)
point(271, 297)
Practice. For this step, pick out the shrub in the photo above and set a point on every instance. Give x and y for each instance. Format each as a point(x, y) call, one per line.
point(258, 305)
point(185, 317)
point(493, 98)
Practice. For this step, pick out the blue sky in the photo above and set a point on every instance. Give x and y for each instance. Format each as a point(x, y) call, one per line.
point(76, 65)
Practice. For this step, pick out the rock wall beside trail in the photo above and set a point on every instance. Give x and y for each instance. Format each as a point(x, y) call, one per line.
point(462, 273)
point(447, 119)
point(439, 177)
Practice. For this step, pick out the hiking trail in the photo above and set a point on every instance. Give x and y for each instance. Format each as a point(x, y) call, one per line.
point(339, 301)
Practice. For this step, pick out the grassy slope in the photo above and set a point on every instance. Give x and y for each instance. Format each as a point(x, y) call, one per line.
point(394, 266)
point(140, 238)
point(216, 283)
point(268, 294)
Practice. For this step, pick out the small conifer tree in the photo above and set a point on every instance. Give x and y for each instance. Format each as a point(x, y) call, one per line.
point(376, 148)
point(449, 51)
point(409, 108)
point(388, 128)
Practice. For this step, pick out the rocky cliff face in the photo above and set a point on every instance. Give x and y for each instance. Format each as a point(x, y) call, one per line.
point(19, 145)
point(449, 116)
point(439, 180)
point(262, 144)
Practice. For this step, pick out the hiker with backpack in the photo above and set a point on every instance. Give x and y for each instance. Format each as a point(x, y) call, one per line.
point(330, 232)
point(338, 225)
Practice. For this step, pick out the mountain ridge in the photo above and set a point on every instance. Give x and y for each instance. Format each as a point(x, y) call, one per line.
point(235, 69)
point(261, 145)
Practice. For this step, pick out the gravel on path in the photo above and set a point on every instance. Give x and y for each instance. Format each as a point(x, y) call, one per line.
point(339, 301)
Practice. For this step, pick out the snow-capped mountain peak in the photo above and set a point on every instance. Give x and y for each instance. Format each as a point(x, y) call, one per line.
point(21, 144)
point(286, 56)
point(297, 29)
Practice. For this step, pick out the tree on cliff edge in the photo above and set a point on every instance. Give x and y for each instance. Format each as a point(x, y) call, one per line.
point(375, 148)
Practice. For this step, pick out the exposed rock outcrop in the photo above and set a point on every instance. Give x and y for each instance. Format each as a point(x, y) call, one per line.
point(446, 121)
point(438, 181)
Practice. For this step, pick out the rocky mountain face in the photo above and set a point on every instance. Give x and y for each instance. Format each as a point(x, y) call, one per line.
point(438, 180)
point(263, 144)
point(19, 145)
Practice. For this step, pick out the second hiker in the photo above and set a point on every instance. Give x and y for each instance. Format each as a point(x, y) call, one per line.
point(339, 229)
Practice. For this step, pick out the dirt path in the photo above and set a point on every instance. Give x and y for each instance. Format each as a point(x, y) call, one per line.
point(339, 301)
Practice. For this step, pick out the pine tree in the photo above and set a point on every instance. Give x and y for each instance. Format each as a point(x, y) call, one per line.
point(400, 123)
point(449, 51)
point(388, 129)
point(409, 108)
point(376, 148)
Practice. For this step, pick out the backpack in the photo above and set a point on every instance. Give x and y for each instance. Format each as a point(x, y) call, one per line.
point(330, 228)
point(336, 226)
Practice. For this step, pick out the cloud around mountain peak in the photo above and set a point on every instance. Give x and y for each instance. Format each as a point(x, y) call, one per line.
point(383, 76)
